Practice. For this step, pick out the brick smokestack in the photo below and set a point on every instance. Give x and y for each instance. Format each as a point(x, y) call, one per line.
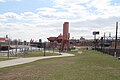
point(66, 31)
point(66, 35)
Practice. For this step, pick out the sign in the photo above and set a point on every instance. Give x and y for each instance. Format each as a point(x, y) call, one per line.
point(95, 32)
point(2, 39)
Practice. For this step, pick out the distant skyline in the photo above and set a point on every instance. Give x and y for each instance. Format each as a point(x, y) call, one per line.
point(40, 19)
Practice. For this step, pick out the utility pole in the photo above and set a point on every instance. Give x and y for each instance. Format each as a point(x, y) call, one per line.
point(104, 42)
point(95, 40)
point(115, 53)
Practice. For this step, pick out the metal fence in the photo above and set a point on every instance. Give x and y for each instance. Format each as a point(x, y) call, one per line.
point(110, 51)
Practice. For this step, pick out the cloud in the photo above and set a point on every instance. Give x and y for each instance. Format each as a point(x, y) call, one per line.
point(10, 15)
point(67, 3)
point(46, 9)
point(29, 15)
point(103, 25)
point(54, 13)
point(9, 0)
point(39, 26)
point(105, 8)
point(86, 8)
point(85, 16)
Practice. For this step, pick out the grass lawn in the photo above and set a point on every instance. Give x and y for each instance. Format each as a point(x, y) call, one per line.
point(35, 54)
point(90, 65)
point(30, 54)
point(5, 58)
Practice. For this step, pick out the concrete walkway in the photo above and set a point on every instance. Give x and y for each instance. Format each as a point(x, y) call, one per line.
point(27, 60)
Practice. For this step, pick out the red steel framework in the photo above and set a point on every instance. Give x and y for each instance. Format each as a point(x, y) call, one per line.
point(63, 40)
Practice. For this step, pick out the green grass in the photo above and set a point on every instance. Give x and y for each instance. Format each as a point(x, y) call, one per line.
point(30, 54)
point(72, 52)
point(36, 54)
point(5, 58)
point(90, 65)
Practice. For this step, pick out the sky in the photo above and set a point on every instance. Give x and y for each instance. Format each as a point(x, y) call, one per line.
point(40, 19)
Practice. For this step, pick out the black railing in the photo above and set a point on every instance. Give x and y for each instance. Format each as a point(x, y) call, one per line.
point(110, 51)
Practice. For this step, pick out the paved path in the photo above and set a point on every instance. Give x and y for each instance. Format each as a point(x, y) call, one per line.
point(27, 60)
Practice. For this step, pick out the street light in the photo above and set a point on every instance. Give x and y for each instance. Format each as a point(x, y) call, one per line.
point(8, 48)
point(44, 44)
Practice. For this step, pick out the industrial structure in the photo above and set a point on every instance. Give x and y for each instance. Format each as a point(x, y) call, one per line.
point(62, 40)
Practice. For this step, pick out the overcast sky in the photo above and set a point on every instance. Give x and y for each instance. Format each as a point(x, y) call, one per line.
point(39, 19)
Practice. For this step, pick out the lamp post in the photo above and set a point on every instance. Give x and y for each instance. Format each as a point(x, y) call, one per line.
point(0, 47)
point(16, 46)
point(104, 42)
point(44, 44)
point(8, 48)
